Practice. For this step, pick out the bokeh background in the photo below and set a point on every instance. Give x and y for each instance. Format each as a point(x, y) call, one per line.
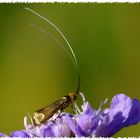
point(35, 70)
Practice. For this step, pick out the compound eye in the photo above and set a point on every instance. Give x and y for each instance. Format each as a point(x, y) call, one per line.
point(72, 96)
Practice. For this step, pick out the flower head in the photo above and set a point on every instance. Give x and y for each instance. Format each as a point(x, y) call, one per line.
point(55, 128)
point(123, 112)
point(88, 122)
point(85, 123)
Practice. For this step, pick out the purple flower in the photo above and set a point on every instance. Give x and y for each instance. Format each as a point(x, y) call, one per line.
point(55, 128)
point(22, 134)
point(123, 112)
point(3, 135)
point(89, 122)
point(85, 123)
point(59, 128)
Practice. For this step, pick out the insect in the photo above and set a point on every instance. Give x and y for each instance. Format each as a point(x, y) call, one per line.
point(44, 114)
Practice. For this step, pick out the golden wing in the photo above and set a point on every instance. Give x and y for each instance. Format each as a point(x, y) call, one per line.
point(44, 114)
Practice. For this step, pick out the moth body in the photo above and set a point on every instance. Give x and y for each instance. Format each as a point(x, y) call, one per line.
point(44, 114)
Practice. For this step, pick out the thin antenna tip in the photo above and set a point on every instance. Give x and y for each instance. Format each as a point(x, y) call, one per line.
point(26, 8)
point(63, 36)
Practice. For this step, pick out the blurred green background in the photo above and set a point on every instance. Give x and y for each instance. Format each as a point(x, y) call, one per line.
point(35, 70)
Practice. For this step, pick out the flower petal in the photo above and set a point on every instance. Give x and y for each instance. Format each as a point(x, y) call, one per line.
point(134, 114)
point(21, 134)
point(3, 135)
point(61, 127)
point(75, 127)
point(48, 132)
point(123, 112)
point(87, 120)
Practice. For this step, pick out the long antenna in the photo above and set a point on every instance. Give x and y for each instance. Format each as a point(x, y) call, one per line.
point(53, 38)
point(63, 36)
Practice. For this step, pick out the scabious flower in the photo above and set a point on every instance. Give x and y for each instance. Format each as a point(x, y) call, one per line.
point(89, 122)
point(19, 133)
point(123, 112)
point(56, 127)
